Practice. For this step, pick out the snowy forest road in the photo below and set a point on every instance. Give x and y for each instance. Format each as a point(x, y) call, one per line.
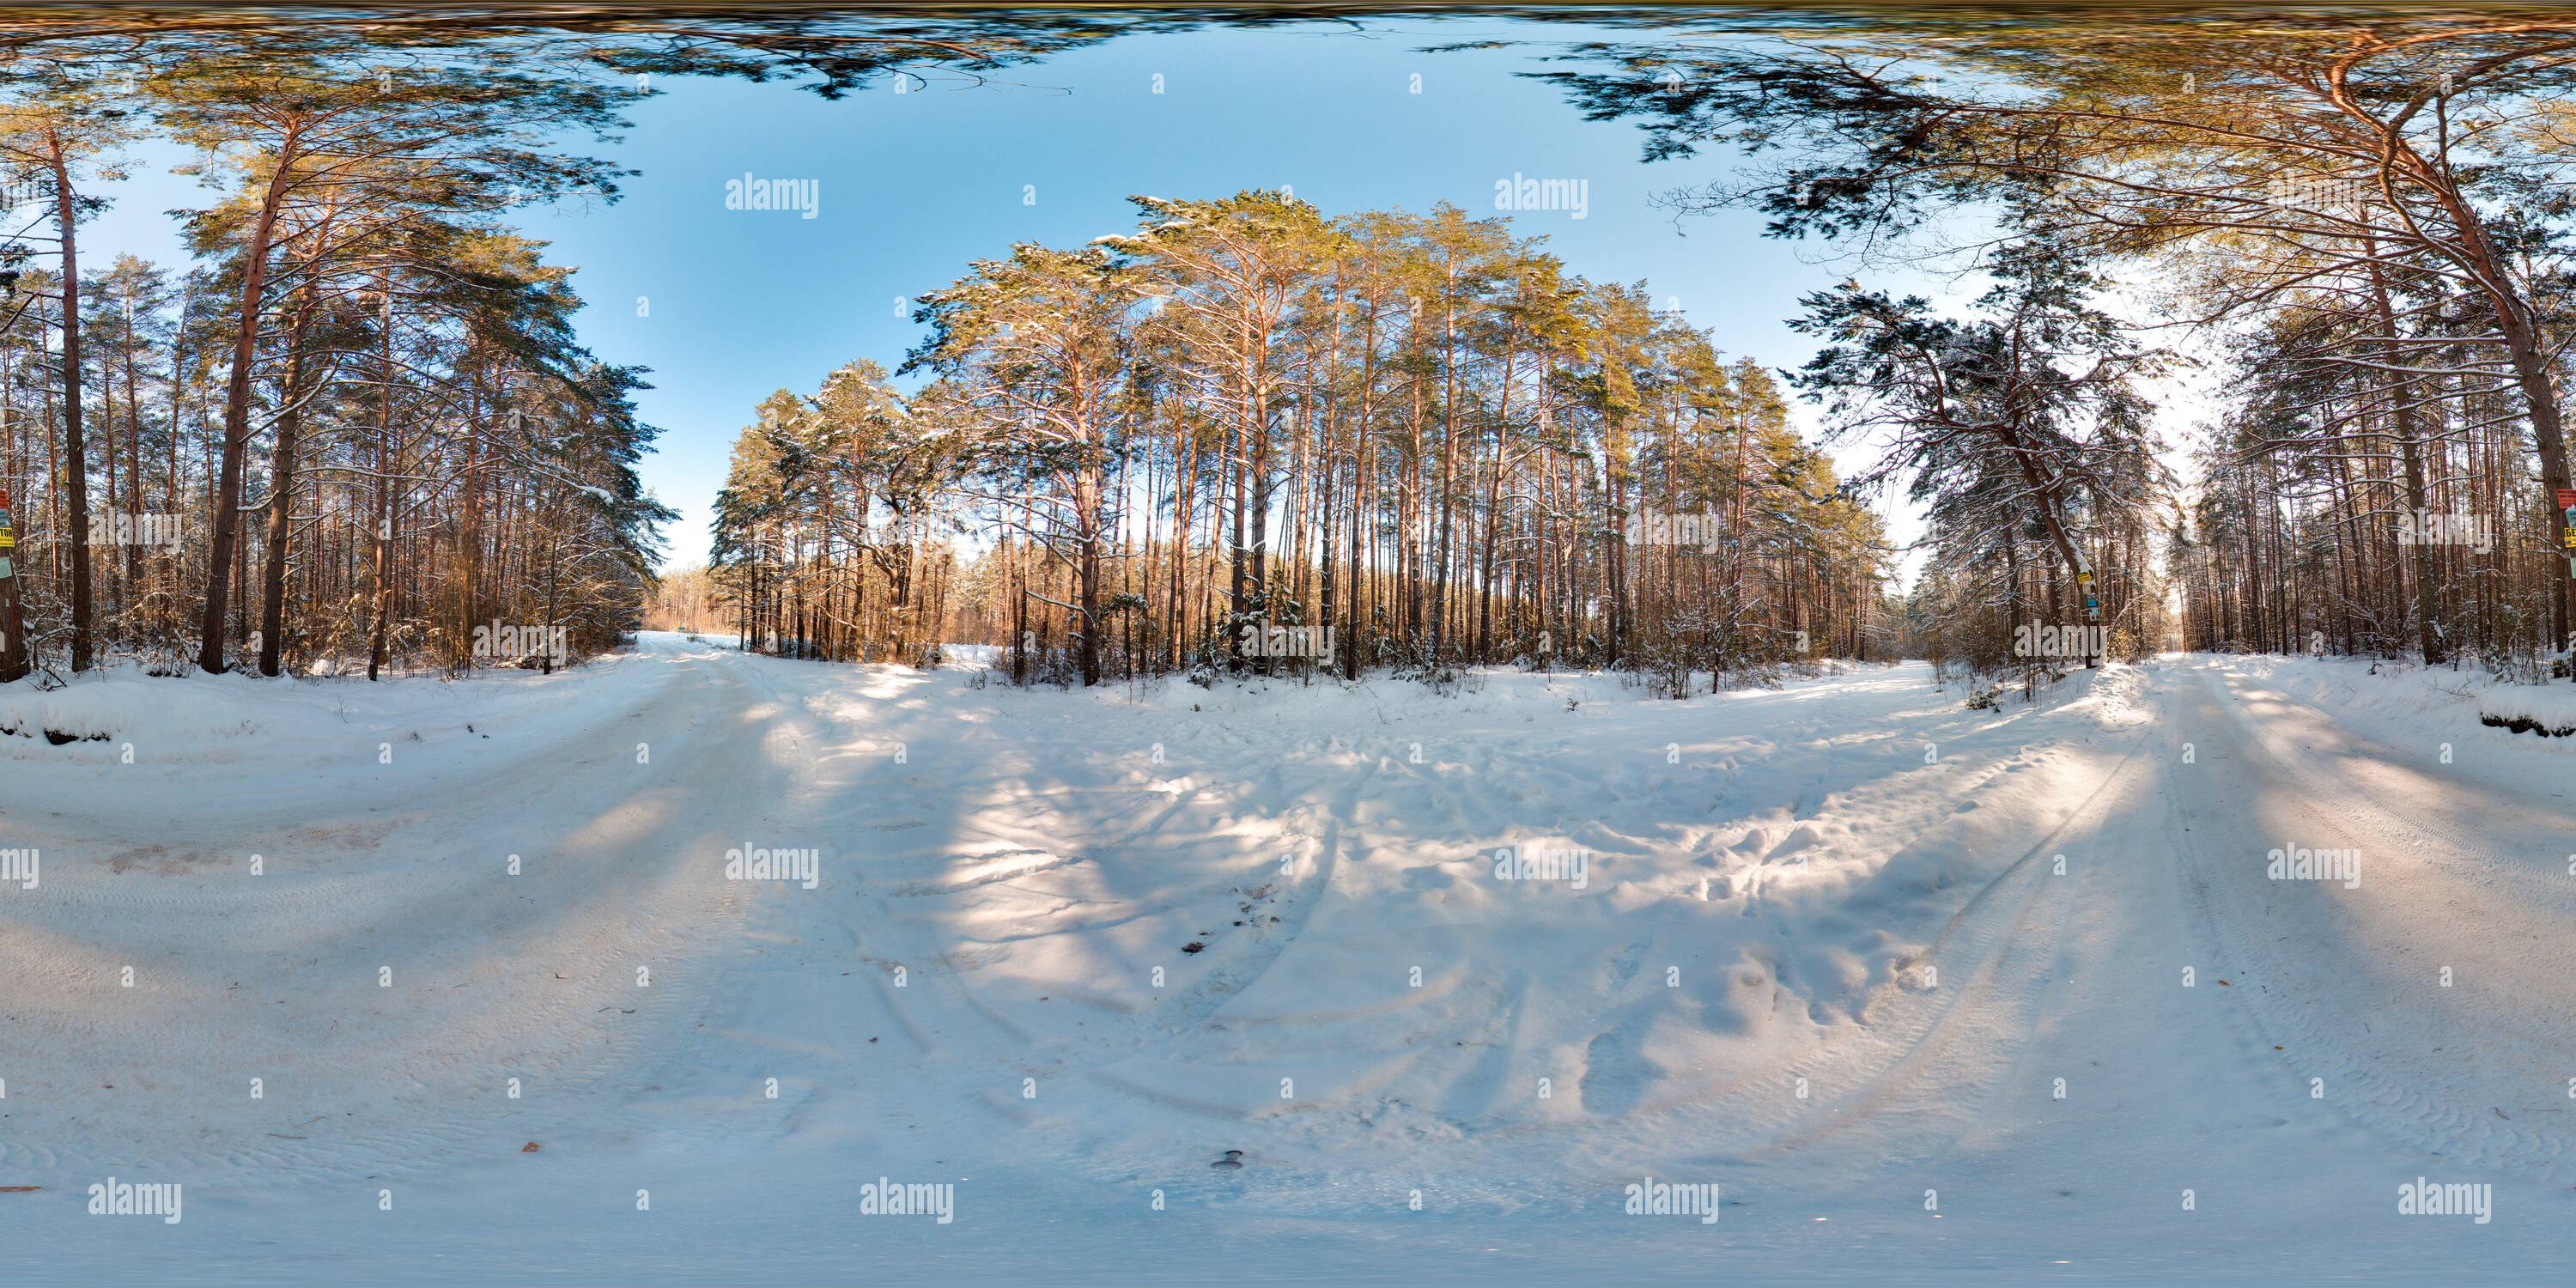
point(2179, 1042)
point(383, 938)
point(1898, 974)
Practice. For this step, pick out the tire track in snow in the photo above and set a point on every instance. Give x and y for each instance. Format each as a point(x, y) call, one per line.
point(2317, 976)
point(2008, 953)
point(440, 1095)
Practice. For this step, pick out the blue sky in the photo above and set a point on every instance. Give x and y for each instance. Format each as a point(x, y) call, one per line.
point(913, 185)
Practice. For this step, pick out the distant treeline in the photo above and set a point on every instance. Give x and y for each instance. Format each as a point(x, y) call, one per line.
point(1250, 437)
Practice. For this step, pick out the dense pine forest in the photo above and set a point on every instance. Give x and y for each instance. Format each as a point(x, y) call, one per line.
point(1411, 432)
point(359, 431)
point(2360, 218)
point(1250, 436)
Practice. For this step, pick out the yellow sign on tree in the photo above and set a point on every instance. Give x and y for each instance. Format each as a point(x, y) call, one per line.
point(13, 639)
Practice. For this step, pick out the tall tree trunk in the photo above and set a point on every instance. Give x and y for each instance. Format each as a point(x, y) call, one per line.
point(2401, 409)
point(281, 493)
point(75, 452)
point(220, 570)
point(133, 460)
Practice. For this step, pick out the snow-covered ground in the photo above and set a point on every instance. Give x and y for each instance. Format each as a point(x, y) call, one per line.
point(1927, 993)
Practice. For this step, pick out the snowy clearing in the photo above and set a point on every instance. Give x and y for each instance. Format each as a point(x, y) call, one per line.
point(1830, 948)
